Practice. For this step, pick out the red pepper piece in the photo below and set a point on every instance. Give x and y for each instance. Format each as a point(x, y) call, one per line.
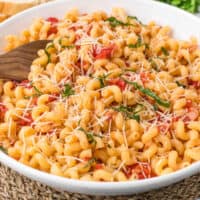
point(142, 170)
point(119, 82)
point(27, 122)
point(102, 53)
point(144, 76)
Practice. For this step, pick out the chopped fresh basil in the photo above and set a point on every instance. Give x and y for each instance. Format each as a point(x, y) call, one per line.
point(154, 65)
point(102, 79)
point(134, 17)
point(149, 93)
point(180, 84)
point(129, 112)
point(37, 91)
point(164, 51)
point(90, 162)
point(115, 22)
point(68, 90)
point(3, 150)
point(90, 136)
point(129, 70)
point(155, 107)
point(138, 44)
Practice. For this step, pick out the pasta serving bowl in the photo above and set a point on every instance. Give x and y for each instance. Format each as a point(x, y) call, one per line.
point(184, 25)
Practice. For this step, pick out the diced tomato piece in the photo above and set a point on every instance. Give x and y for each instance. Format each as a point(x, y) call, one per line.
point(144, 76)
point(78, 47)
point(191, 115)
point(73, 28)
point(188, 104)
point(195, 84)
point(53, 29)
point(27, 122)
point(102, 53)
point(99, 166)
point(119, 82)
point(34, 101)
point(3, 110)
point(52, 20)
point(142, 170)
point(26, 84)
point(53, 97)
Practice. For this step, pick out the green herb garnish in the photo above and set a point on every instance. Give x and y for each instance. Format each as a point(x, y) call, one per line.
point(129, 70)
point(154, 65)
point(3, 150)
point(164, 51)
point(115, 22)
point(48, 55)
point(135, 18)
point(129, 112)
point(180, 84)
point(90, 162)
point(155, 107)
point(138, 44)
point(68, 91)
point(37, 91)
point(149, 93)
point(47, 51)
point(90, 136)
point(102, 79)
point(146, 45)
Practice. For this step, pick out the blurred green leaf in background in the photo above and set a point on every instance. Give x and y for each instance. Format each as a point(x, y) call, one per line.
point(188, 5)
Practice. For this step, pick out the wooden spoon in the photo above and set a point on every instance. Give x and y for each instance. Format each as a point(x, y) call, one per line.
point(15, 64)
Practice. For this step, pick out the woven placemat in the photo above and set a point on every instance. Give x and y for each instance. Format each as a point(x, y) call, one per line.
point(16, 187)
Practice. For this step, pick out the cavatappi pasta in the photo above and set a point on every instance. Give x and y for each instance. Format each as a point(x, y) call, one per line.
point(110, 99)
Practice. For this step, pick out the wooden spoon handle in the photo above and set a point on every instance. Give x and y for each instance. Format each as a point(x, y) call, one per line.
point(15, 65)
point(11, 67)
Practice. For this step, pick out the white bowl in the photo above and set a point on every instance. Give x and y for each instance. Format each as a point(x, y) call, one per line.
point(184, 26)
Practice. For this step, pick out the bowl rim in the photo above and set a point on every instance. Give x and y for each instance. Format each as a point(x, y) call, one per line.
point(11, 162)
point(150, 2)
point(38, 175)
